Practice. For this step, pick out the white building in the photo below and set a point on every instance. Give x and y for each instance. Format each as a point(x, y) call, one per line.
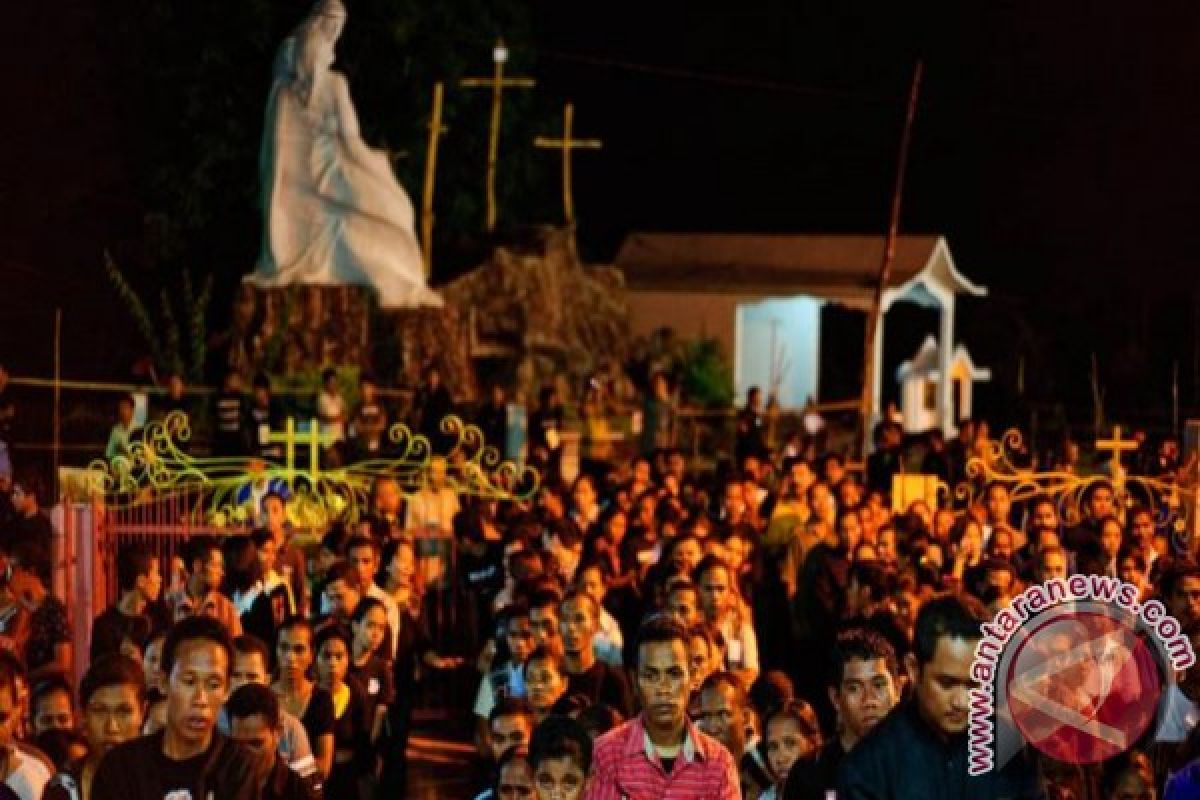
point(920, 387)
point(761, 297)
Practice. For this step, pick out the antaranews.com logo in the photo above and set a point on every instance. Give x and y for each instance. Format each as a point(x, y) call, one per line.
point(1076, 667)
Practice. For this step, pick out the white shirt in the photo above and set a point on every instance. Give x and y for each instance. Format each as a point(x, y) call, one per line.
point(1180, 715)
point(29, 775)
point(609, 643)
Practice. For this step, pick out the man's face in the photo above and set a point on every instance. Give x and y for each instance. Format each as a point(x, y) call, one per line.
point(294, 651)
point(247, 668)
point(275, 512)
point(255, 735)
point(721, 718)
point(849, 528)
point(1143, 528)
point(1002, 544)
point(1110, 538)
point(544, 621)
point(687, 554)
point(113, 715)
point(578, 625)
point(699, 661)
point(509, 730)
point(387, 497)
point(196, 688)
point(735, 498)
point(559, 778)
point(1185, 599)
point(591, 583)
point(714, 592)
point(544, 684)
point(343, 597)
point(515, 781)
point(662, 682)
point(211, 570)
point(865, 695)
point(365, 562)
point(584, 494)
point(125, 413)
point(1130, 571)
point(150, 584)
point(520, 639)
point(683, 604)
point(267, 553)
point(1101, 502)
point(333, 662)
point(1045, 515)
point(1053, 565)
point(943, 685)
point(53, 712)
point(998, 505)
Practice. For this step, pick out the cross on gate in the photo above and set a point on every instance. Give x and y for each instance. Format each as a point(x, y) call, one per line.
point(565, 145)
point(497, 83)
point(1116, 446)
point(289, 438)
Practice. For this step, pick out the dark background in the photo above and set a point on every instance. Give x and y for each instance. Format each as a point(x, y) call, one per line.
point(1054, 148)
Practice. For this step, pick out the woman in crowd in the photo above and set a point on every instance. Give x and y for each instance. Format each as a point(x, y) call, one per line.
point(299, 694)
point(351, 776)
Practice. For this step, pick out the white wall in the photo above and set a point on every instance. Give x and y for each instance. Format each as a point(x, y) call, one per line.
point(797, 325)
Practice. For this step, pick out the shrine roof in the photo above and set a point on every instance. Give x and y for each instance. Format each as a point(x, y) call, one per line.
point(836, 267)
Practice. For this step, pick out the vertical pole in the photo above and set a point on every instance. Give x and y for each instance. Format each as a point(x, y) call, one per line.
point(875, 313)
point(435, 132)
point(314, 442)
point(494, 141)
point(568, 201)
point(57, 434)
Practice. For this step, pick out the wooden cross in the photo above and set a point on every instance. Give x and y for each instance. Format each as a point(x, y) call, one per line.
point(1116, 446)
point(565, 145)
point(497, 83)
point(436, 129)
point(290, 438)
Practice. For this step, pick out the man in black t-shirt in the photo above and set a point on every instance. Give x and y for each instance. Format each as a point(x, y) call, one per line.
point(188, 759)
point(254, 722)
point(125, 626)
point(586, 675)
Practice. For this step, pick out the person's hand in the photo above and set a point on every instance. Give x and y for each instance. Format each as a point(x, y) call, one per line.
point(449, 662)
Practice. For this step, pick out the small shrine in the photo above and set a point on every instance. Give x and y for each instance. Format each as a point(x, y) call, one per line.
point(920, 380)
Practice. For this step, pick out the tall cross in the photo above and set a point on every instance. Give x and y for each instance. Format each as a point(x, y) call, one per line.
point(1116, 446)
point(497, 83)
point(436, 129)
point(289, 438)
point(565, 145)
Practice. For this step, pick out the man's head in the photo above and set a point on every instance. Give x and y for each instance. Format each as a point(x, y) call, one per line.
point(362, 553)
point(1001, 545)
point(543, 618)
point(999, 504)
point(344, 589)
point(722, 709)
point(868, 585)
point(1111, 535)
point(947, 630)
point(509, 725)
point(197, 656)
point(849, 530)
point(254, 724)
point(704, 654)
point(251, 660)
point(386, 495)
point(1051, 564)
point(125, 409)
point(683, 600)
point(864, 681)
point(138, 570)
point(274, 508)
point(1181, 590)
point(1045, 515)
point(578, 619)
point(206, 563)
point(545, 680)
point(294, 648)
point(518, 632)
point(662, 682)
point(112, 695)
point(50, 705)
point(560, 754)
point(1099, 500)
point(590, 579)
point(1141, 527)
point(717, 592)
point(514, 777)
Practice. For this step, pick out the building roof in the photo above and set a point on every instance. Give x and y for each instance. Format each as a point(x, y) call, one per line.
point(925, 363)
point(843, 268)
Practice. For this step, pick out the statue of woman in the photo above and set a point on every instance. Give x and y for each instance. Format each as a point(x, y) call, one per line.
point(333, 212)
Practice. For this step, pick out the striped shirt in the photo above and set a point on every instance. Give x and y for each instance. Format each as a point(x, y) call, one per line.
point(625, 767)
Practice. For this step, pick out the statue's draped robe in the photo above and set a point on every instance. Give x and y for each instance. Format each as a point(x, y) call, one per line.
point(333, 212)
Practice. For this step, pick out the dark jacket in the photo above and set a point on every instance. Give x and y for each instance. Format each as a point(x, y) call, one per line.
point(138, 770)
point(903, 758)
point(287, 784)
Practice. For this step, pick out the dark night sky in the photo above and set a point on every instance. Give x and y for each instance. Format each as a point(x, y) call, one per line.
point(1054, 147)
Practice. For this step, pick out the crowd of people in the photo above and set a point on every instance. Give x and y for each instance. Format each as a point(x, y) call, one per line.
point(776, 629)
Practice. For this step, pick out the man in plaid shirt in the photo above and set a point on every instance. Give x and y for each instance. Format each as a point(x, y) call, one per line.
point(660, 755)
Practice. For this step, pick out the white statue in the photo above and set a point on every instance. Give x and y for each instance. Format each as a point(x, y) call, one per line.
point(333, 212)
